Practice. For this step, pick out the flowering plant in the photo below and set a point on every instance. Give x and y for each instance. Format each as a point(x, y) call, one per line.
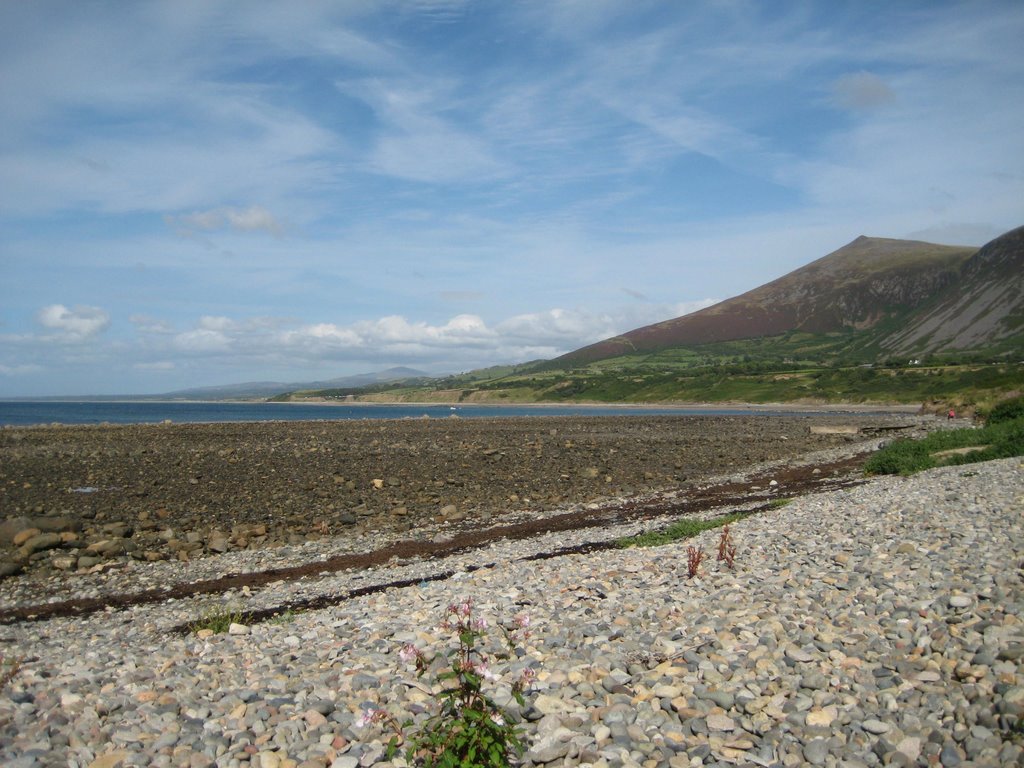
point(469, 729)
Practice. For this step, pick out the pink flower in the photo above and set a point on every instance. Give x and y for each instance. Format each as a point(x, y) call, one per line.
point(409, 653)
point(521, 620)
point(485, 672)
point(479, 624)
point(371, 717)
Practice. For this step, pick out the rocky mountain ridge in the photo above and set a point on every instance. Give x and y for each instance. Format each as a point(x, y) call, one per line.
point(909, 296)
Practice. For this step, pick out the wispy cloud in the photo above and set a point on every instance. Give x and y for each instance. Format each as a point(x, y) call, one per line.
point(251, 219)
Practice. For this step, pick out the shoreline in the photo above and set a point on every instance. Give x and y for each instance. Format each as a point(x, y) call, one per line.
point(179, 491)
point(850, 625)
point(699, 407)
point(435, 411)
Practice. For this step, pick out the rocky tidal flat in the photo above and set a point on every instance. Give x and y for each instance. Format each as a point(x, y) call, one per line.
point(863, 623)
point(75, 498)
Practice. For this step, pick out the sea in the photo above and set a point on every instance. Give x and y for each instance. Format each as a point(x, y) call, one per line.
point(37, 412)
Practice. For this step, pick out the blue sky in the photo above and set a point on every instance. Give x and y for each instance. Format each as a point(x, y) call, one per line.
point(199, 193)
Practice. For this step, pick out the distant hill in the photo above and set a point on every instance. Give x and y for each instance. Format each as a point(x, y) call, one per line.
point(896, 296)
point(262, 389)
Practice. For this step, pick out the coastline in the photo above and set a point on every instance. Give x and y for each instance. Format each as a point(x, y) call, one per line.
point(729, 405)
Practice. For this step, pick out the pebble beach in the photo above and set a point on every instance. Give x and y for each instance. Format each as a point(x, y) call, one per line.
point(881, 624)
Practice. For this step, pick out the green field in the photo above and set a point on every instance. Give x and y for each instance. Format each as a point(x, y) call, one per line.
point(791, 368)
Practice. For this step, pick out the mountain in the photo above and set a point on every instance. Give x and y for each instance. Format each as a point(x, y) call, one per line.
point(984, 307)
point(896, 296)
point(259, 389)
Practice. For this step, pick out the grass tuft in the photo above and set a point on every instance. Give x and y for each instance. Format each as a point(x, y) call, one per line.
point(684, 529)
point(218, 620)
point(286, 617)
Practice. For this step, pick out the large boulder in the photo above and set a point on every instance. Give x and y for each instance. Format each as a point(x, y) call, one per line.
point(39, 543)
point(12, 526)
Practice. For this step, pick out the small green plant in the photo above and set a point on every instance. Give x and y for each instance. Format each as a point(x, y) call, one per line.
point(469, 729)
point(779, 503)
point(9, 669)
point(683, 529)
point(218, 620)
point(285, 617)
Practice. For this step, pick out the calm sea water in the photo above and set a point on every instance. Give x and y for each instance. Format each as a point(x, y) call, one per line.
point(23, 412)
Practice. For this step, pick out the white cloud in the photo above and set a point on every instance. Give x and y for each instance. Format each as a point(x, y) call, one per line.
point(389, 335)
point(219, 324)
point(252, 219)
point(77, 324)
point(202, 341)
point(463, 341)
point(160, 365)
point(147, 324)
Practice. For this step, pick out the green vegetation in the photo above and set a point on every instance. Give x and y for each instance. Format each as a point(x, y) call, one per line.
point(1007, 410)
point(1000, 438)
point(468, 728)
point(286, 617)
point(684, 529)
point(792, 367)
point(218, 620)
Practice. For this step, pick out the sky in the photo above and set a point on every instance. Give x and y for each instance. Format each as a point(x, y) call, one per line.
point(200, 192)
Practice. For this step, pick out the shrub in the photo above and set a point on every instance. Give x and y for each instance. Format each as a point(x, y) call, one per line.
point(1000, 440)
point(1007, 410)
point(903, 457)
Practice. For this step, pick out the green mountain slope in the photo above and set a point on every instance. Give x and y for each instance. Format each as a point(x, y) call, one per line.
point(854, 288)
